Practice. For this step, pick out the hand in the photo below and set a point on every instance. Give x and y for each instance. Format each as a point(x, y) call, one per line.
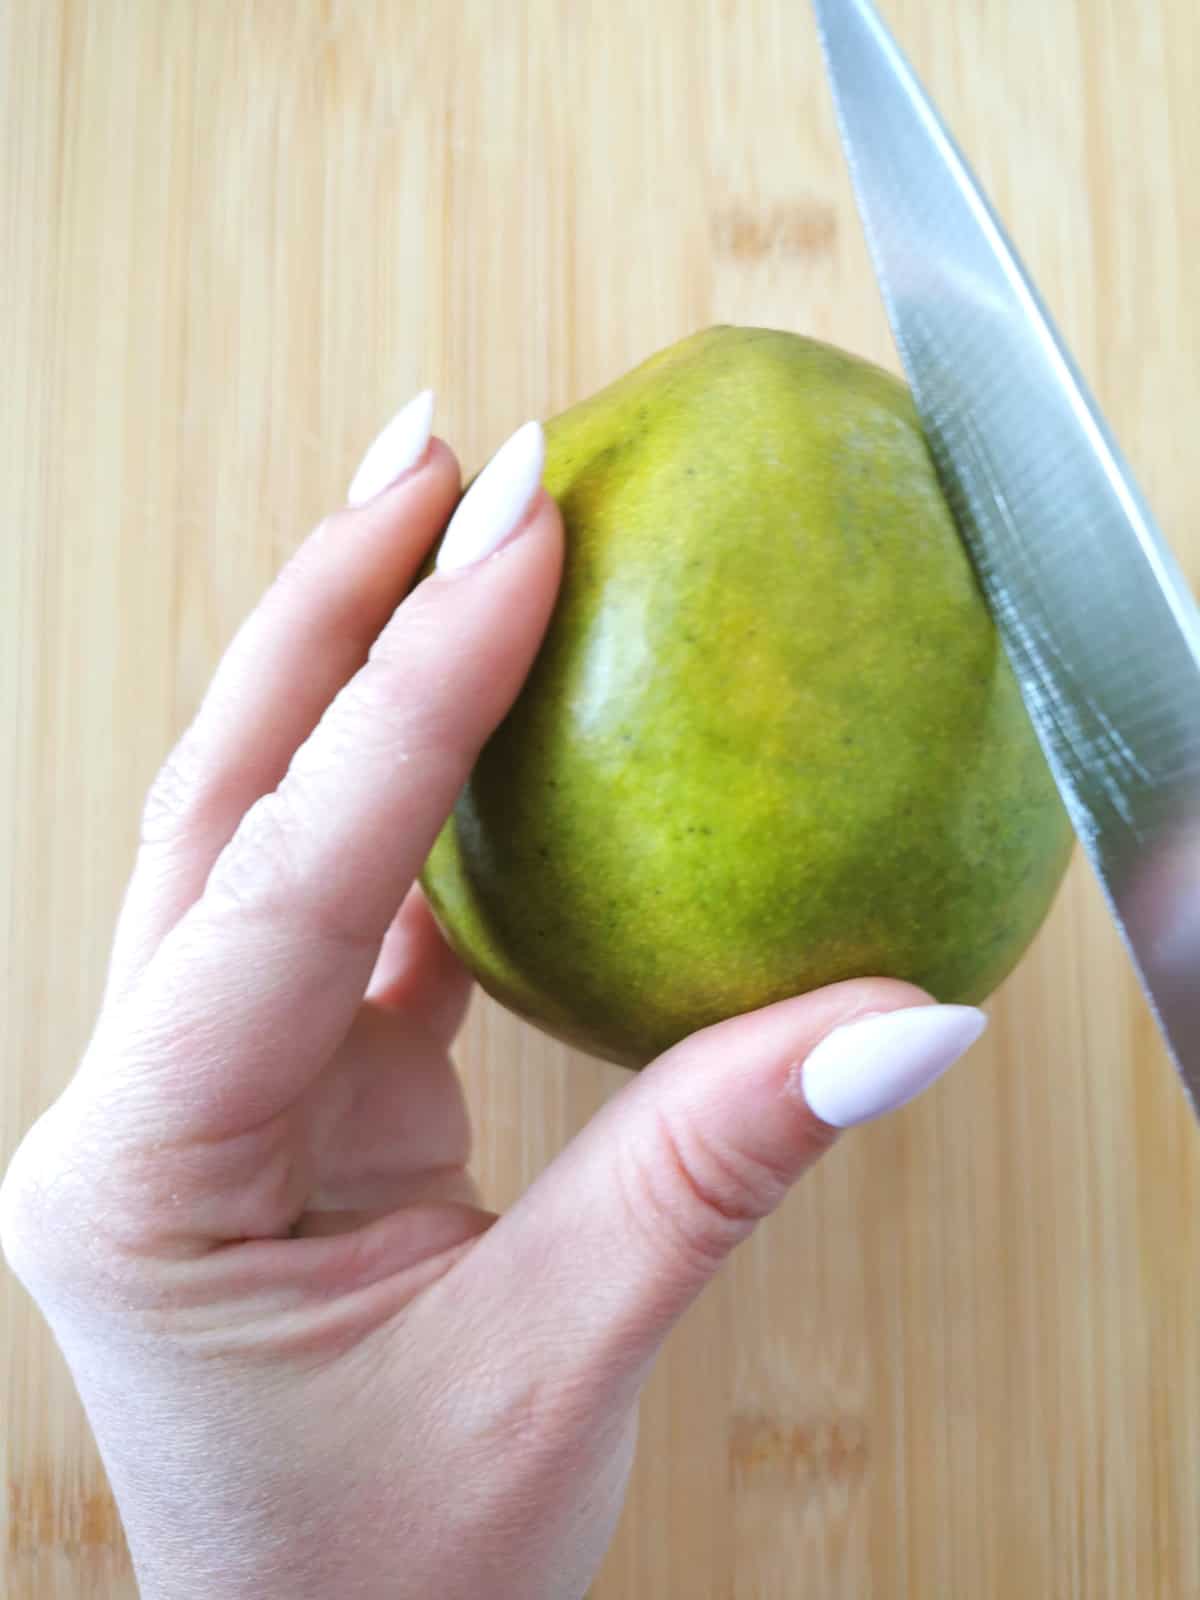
point(315, 1365)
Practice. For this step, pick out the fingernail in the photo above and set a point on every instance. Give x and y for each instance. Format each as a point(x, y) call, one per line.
point(495, 505)
point(867, 1067)
point(395, 451)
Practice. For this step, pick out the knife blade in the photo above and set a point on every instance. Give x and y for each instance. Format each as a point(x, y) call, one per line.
point(1094, 610)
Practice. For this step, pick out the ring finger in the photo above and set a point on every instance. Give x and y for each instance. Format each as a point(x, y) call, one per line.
point(308, 636)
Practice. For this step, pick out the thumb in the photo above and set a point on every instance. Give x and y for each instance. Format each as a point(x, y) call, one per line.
point(592, 1266)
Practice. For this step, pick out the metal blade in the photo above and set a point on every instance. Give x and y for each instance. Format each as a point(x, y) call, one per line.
point(1095, 613)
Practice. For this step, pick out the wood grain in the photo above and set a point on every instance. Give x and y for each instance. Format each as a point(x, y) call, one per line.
point(965, 1359)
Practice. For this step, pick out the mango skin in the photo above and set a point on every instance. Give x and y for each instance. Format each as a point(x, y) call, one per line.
point(771, 739)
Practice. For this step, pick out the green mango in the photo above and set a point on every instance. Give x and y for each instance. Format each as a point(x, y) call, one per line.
point(771, 739)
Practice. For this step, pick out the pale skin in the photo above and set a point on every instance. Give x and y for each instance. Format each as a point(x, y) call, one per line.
point(315, 1363)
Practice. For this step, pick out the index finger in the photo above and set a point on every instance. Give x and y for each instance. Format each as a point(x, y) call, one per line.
point(270, 965)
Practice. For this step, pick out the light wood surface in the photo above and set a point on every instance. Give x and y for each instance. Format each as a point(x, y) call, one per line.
point(965, 1359)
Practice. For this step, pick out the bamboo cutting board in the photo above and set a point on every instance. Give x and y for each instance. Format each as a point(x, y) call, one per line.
point(965, 1359)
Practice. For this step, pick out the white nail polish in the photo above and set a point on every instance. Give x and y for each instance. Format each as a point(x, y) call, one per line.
point(395, 450)
point(867, 1067)
point(495, 504)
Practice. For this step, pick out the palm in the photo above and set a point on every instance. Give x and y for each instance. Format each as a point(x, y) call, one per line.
point(375, 1150)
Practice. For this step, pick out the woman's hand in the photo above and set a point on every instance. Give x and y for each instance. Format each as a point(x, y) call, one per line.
point(315, 1364)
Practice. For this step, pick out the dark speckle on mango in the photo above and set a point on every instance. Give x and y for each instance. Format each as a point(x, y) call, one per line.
point(771, 739)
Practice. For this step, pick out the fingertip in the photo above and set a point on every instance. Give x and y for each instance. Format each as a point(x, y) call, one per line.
point(542, 526)
point(427, 492)
point(395, 451)
point(415, 505)
point(441, 463)
point(506, 500)
point(878, 1061)
point(748, 1074)
point(521, 575)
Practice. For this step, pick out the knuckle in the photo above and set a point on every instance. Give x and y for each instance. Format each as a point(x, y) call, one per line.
point(269, 872)
point(396, 713)
point(306, 565)
point(707, 1195)
point(262, 862)
point(78, 1228)
point(310, 581)
point(41, 1208)
point(318, 561)
point(368, 720)
point(175, 796)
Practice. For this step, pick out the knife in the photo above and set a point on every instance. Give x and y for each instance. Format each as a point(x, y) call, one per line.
point(1094, 611)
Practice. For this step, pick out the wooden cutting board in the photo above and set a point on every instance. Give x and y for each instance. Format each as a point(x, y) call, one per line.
point(965, 1359)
